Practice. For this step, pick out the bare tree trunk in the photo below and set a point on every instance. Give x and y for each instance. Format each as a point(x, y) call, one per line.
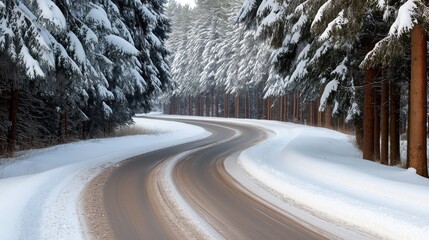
point(281, 108)
point(207, 105)
point(394, 124)
point(190, 106)
point(376, 124)
point(245, 105)
point(368, 117)
point(328, 116)
point(216, 109)
point(13, 112)
point(225, 105)
point(237, 106)
point(294, 112)
point(319, 115)
point(384, 120)
point(417, 141)
point(65, 123)
point(284, 117)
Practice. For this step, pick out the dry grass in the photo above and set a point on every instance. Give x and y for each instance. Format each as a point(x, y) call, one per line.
point(131, 130)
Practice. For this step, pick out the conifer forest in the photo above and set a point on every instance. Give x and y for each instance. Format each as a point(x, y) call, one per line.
point(353, 66)
point(77, 69)
point(74, 70)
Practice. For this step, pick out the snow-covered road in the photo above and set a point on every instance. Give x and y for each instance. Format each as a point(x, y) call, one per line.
point(312, 168)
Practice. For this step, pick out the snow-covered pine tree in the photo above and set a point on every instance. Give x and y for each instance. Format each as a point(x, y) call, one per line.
point(27, 50)
point(409, 26)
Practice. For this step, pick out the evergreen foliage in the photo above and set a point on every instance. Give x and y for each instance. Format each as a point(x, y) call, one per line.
point(78, 68)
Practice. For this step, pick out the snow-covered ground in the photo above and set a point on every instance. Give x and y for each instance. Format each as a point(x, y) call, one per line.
point(322, 171)
point(40, 190)
point(315, 168)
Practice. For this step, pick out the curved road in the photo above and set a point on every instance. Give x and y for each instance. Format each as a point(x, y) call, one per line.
point(135, 209)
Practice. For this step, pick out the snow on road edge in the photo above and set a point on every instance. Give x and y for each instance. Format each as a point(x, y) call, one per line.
point(41, 191)
point(320, 170)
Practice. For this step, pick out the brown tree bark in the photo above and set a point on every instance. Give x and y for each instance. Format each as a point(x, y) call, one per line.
point(394, 124)
point(13, 112)
point(65, 124)
point(368, 117)
point(237, 106)
point(319, 115)
point(384, 122)
point(207, 105)
point(216, 107)
point(245, 105)
point(417, 141)
point(328, 117)
point(190, 106)
point(285, 117)
point(376, 123)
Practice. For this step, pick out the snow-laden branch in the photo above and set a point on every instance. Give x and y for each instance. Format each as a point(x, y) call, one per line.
point(405, 20)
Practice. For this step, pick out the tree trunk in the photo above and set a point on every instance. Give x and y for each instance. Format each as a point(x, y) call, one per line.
point(65, 124)
point(328, 117)
point(319, 115)
point(394, 123)
point(285, 109)
point(417, 145)
point(13, 112)
point(376, 124)
point(216, 108)
point(245, 105)
point(368, 117)
point(225, 105)
point(190, 106)
point(207, 104)
point(237, 106)
point(281, 108)
point(384, 121)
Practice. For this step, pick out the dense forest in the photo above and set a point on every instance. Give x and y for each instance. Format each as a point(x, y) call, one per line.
point(77, 69)
point(349, 65)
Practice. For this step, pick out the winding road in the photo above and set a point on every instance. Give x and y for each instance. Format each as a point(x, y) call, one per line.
point(138, 205)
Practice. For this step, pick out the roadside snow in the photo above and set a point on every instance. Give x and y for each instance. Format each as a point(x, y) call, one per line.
point(317, 169)
point(321, 170)
point(41, 189)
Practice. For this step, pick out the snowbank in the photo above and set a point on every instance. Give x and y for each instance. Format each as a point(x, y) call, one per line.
point(40, 191)
point(321, 170)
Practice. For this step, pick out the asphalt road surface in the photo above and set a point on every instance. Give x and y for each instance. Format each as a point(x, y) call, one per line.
point(136, 208)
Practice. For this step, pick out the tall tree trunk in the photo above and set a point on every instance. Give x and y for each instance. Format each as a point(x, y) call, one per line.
point(285, 117)
point(225, 105)
point(395, 98)
point(216, 108)
point(376, 124)
point(13, 112)
point(281, 108)
point(368, 117)
point(328, 116)
point(201, 106)
point(384, 121)
point(417, 141)
point(319, 115)
point(245, 105)
point(65, 123)
point(207, 104)
point(190, 106)
point(237, 106)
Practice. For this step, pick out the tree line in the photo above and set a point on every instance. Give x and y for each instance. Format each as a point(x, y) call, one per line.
point(329, 63)
point(77, 69)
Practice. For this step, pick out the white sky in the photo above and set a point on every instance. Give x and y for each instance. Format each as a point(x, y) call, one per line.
point(189, 2)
